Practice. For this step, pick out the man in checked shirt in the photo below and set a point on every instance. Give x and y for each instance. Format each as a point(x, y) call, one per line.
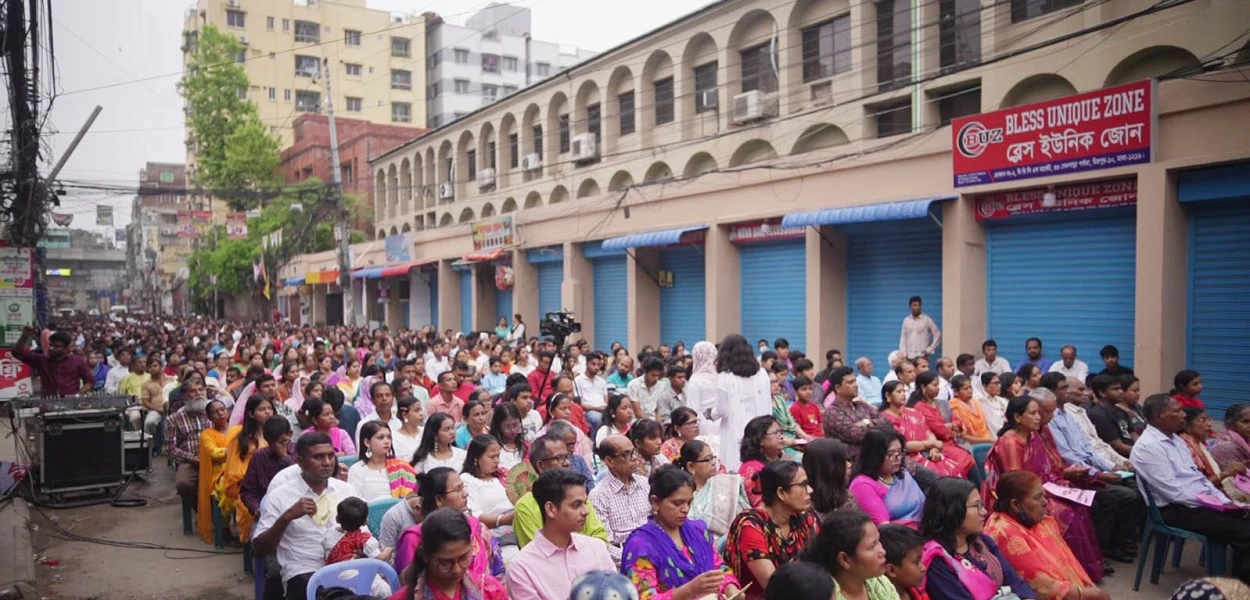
point(182, 438)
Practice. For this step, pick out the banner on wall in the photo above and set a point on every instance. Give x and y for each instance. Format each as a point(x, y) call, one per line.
point(763, 231)
point(494, 233)
point(1106, 128)
point(15, 376)
point(186, 228)
point(398, 247)
point(236, 226)
point(103, 215)
point(1068, 198)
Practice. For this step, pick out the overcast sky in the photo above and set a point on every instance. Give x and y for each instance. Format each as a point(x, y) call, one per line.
point(103, 43)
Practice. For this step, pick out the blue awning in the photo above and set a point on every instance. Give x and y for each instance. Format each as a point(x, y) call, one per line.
point(890, 211)
point(293, 281)
point(667, 237)
point(368, 273)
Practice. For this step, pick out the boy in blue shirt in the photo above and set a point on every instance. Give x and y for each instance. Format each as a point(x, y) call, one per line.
point(495, 382)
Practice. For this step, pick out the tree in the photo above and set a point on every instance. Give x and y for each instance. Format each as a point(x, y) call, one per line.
point(235, 157)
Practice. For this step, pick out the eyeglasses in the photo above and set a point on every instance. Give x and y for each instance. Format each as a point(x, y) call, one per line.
point(631, 455)
point(980, 506)
point(805, 483)
point(894, 454)
point(446, 565)
point(456, 490)
point(563, 459)
point(709, 459)
point(773, 433)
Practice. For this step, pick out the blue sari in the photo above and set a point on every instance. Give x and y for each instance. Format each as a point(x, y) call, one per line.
point(674, 568)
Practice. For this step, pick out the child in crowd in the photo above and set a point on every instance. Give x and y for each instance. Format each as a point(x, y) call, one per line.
point(903, 548)
point(804, 410)
point(351, 540)
point(496, 381)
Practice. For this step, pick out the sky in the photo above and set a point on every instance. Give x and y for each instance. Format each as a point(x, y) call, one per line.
point(107, 43)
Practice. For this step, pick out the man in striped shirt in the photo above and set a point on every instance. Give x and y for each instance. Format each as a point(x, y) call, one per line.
point(182, 438)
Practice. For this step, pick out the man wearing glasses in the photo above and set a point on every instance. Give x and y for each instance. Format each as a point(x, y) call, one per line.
point(623, 497)
point(547, 453)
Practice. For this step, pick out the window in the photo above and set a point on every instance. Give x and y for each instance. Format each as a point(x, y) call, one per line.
point(352, 70)
point(626, 101)
point(891, 118)
point(542, 69)
point(510, 64)
point(401, 112)
point(286, 24)
point(959, 34)
point(401, 79)
point(273, 93)
point(286, 95)
point(470, 158)
point(306, 101)
point(1023, 10)
point(269, 23)
point(351, 37)
point(355, 104)
point(436, 88)
point(538, 140)
point(893, 43)
point(450, 169)
point(401, 47)
point(564, 133)
point(664, 101)
point(593, 120)
point(462, 86)
point(704, 86)
point(242, 91)
point(307, 66)
point(241, 57)
point(490, 63)
point(234, 18)
point(490, 93)
point(508, 90)
point(433, 59)
point(514, 150)
point(490, 158)
point(827, 49)
point(460, 56)
point(959, 102)
point(757, 69)
point(307, 31)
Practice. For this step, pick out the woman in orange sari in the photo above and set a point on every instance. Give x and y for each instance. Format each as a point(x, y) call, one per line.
point(213, 441)
point(245, 439)
point(968, 413)
point(1031, 541)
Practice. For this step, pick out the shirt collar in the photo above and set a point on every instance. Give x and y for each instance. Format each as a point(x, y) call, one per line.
point(548, 549)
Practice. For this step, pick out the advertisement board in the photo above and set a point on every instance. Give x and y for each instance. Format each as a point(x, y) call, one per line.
point(236, 226)
point(15, 376)
point(1068, 198)
point(495, 233)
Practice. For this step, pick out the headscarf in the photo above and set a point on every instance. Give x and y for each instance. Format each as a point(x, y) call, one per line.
point(236, 414)
point(364, 398)
point(674, 568)
point(703, 362)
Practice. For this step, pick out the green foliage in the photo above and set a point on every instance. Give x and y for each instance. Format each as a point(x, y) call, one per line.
point(234, 152)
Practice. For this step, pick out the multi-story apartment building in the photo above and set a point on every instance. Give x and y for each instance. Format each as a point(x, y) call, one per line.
point(790, 169)
point(490, 57)
point(378, 70)
point(156, 256)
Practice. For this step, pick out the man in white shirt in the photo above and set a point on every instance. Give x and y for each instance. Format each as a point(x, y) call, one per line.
point(113, 381)
point(991, 362)
point(645, 391)
point(895, 358)
point(384, 410)
point(1069, 364)
point(920, 336)
point(593, 390)
point(440, 363)
point(295, 517)
point(869, 384)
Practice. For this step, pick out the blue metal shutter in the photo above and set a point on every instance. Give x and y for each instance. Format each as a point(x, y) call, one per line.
point(774, 292)
point(434, 300)
point(503, 304)
point(886, 264)
point(550, 277)
point(1219, 283)
point(1067, 279)
point(683, 308)
point(466, 301)
point(611, 302)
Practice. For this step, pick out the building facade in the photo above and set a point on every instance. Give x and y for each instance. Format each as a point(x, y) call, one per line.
point(90, 275)
point(791, 172)
point(156, 256)
point(378, 69)
point(491, 57)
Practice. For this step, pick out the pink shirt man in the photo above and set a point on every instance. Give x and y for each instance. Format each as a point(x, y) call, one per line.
point(543, 571)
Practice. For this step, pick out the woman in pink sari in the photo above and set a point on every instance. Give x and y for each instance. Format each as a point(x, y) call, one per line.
point(1024, 445)
point(1231, 445)
point(442, 488)
point(924, 403)
point(922, 446)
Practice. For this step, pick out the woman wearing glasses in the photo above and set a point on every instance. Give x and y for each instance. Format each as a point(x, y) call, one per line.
point(880, 484)
point(443, 488)
point(960, 560)
point(445, 559)
point(762, 444)
point(718, 498)
point(764, 538)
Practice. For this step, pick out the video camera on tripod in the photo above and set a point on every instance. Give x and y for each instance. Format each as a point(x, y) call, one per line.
point(559, 325)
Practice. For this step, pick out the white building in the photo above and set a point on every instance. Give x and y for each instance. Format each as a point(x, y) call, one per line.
point(475, 65)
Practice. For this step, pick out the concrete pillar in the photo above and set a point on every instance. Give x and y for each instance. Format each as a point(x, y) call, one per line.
point(319, 303)
point(448, 297)
point(723, 297)
point(360, 301)
point(964, 277)
point(394, 318)
point(419, 298)
point(484, 297)
point(642, 266)
point(577, 293)
point(1162, 270)
point(525, 292)
point(826, 290)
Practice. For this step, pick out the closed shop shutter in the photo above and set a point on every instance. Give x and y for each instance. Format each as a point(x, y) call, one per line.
point(434, 300)
point(466, 301)
point(886, 264)
point(611, 302)
point(503, 304)
point(1219, 284)
point(773, 280)
point(683, 308)
point(1066, 279)
point(550, 277)
point(334, 309)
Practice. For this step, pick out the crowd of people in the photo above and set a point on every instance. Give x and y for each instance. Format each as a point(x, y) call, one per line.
point(516, 465)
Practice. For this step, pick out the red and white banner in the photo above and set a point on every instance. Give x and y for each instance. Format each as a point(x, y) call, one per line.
point(14, 376)
point(1068, 198)
point(763, 231)
point(236, 226)
point(1102, 129)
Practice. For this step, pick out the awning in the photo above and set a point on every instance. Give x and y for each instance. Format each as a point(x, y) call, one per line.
point(666, 237)
point(322, 277)
point(293, 281)
point(367, 273)
point(484, 256)
point(401, 269)
point(889, 211)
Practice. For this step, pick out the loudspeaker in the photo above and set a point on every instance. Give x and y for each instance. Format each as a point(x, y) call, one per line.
point(80, 450)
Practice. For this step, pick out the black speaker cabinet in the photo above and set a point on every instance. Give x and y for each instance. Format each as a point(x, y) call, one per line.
point(80, 450)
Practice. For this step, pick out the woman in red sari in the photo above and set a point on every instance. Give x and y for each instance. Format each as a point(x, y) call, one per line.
point(1024, 444)
point(924, 402)
point(922, 446)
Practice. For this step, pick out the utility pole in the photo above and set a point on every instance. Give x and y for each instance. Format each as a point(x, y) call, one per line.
point(29, 201)
point(336, 178)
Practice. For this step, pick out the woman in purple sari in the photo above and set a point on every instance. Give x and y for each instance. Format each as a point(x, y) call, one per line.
point(1024, 445)
point(1232, 445)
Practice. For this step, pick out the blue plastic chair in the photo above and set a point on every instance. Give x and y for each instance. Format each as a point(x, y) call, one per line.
point(188, 517)
point(356, 575)
point(979, 453)
point(348, 461)
point(1216, 555)
point(377, 508)
point(258, 577)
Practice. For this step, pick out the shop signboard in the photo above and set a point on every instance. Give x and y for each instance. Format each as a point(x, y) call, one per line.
point(1102, 129)
point(236, 226)
point(494, 233)
point(16, 271)
point(763, 231)
point(398, 248)
point(1068, 198)
point(15, 376)
point(16, 312)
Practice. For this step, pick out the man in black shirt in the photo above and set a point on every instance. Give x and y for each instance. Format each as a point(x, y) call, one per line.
point(1112, 423)
point(1111, 358)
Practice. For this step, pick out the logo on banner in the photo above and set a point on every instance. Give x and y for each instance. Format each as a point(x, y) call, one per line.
point(495, 233)
point(974, 138)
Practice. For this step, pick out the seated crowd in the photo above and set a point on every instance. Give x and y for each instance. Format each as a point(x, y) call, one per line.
point(506, 469)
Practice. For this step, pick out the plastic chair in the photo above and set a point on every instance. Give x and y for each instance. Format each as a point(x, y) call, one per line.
point(356, 575)
point(188, 517)
point(1216, 555)
point(219, 523)
point(377, 508)
point(979, 453)
point(258, 576)
point(348, 461)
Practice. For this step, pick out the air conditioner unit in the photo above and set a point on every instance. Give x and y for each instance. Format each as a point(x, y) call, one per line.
point(709, 98)
point(531, 162)
point(749, 106)
point(486, 179)
point(822, 93)
point(232, 3)
point(585, 147)
point(243, 40)
point(446, 191)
